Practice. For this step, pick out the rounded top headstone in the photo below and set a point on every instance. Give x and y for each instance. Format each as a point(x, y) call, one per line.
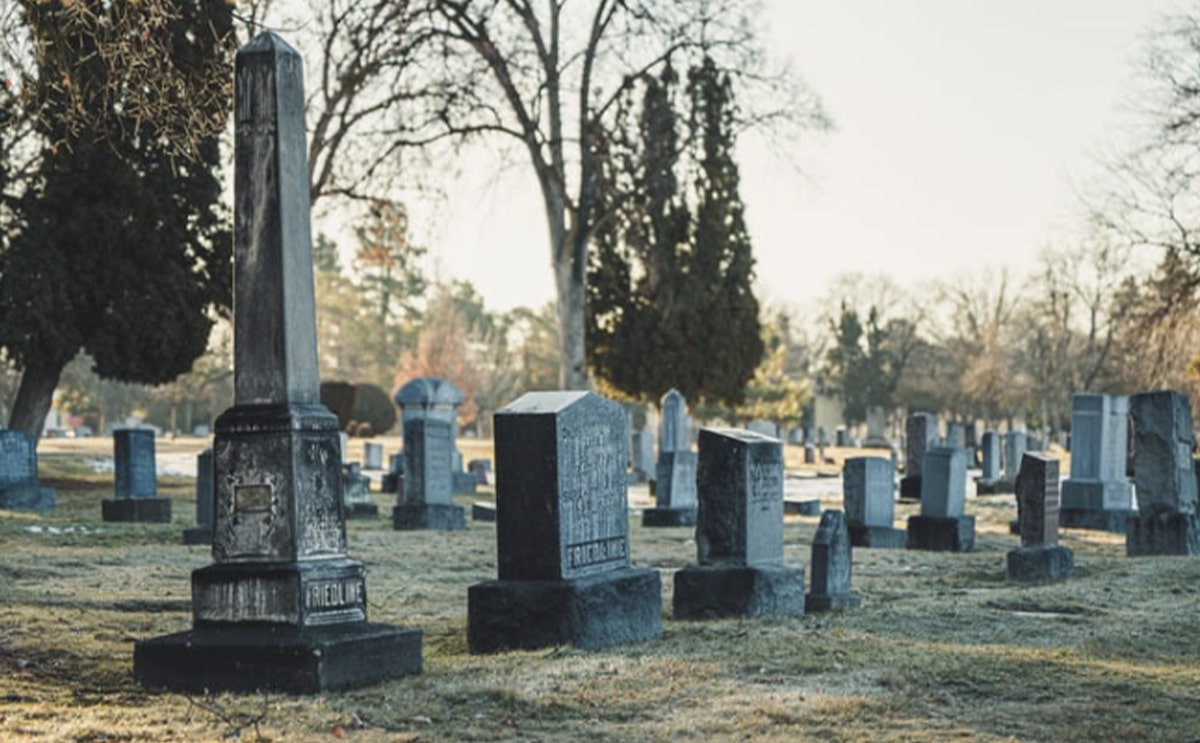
point(429, 391)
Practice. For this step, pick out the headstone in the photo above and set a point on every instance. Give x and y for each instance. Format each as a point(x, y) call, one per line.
point(201, 533)
point(136, 497)
point(956, 435)
point(393, 480)
point(1040, 557)
point(481, 469)
point(766, 428)
point(810, 454)
point(831, 563)
point(641, 454)
point(426, 501)
point(921, 434)
point(739, 533)
point(1097, 495)
point(282, 607)
point(356, 493)
point(438, 399)
point(1015, 445)
point(562, 532)
point(675, 471)
point(1164, 476)
point(841, 437)
point(989, 478)
point(941, 525)
point(876, 425)
point(372, 455)
point(972, 435)
point(822, 436)
point(867, 487)
point(19, 488)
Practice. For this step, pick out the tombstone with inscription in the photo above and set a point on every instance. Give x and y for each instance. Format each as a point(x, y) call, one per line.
point(562, 532)
point(867, 487)
point(989, 477)
point(1097, 495)
point(437, 398)
point(941, 526)
point(831, 562)
point(136, 497)
point(1164, 475)
point(19, 488)
point(920, 435)
point(426, 501)
point(372, 455)
point(201, 533)
point(282, 606)
point(1040, 557)
point(356, 493)
point(675, 472)
point(739, 533)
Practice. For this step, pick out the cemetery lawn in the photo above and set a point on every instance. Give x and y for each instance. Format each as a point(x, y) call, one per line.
point(942, 648)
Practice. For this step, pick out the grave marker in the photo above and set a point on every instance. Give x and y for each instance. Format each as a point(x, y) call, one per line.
point(1164, 477)
point(989, 478)
point(1040, 557)
point(941, 525)
point(675, 471)
point(356, 493)
point(136, 480)
point(867, 488)
point(19, 488)
point(1097, 495)
point(921, 434)
point(201, 533)
point(831, 566)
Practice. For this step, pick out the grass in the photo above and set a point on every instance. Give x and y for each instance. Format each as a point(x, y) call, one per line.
point(943, 648)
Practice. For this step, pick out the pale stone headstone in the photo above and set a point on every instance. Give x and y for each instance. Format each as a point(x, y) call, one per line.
point(1097, 494)
point(989, 477)
point(675, 471)
point(427, 499)
point(831, 566)
point(372, 455)
point(867, 487)
point(356, 493)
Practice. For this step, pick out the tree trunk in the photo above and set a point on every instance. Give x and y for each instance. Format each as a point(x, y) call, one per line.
point(572, 371)
point(34, 396)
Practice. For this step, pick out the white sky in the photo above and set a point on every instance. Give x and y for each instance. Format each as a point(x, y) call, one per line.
point(964, 129)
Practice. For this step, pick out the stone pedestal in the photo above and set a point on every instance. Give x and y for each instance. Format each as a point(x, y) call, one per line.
point(653, 517)
point(716, 592)
point(594, 611)
point(878, 537)
point(1162, 533)
point(148, 510)
point(437, 516)
point(1043, 563)
point(941, 533)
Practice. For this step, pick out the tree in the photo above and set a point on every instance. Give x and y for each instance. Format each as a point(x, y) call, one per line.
point(866, 362)
point(130, 213)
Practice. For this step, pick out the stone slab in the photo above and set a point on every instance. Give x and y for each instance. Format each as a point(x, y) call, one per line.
point(282, 659)
point(941, 534)
point(715, 592)
point(809, 507)
point(482, 511)
point(28, 498)
point(1162, 533)
point(877, 537)
point(656, 517)
point(910, 489)
point(1093, 519)
point(142, 510)
point(1045, 563)
point(818, 603)
point(589, 612)
point(1097, 494)
point(434, 516)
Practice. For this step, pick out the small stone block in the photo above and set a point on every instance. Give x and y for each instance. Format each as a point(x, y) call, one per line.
point(362, 510)
point(1162, 533)
point(1095, 519)
point(142, 510)
point(655, 517)
point(463, 483)
point(197, 535)
point(28, 498)
point(594, 611)
point(483, 511)
point(1046, 563)
point(282, 659)
point(910, 488)
point(941, 534)
point(811, 507)
point(716, 592)
point(435, 516)
point(878, 537)
point(817, 603)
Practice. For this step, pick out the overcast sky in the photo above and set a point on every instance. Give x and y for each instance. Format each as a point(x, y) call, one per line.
point(964, 129)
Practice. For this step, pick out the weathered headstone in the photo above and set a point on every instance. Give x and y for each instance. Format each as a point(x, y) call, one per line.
point(562, 532)
point(437, 398)
point(876, 425)
point(989, 477)
point(641, 455)
point(201, 533)
point(810, 454)
point(372, 455)
point(393, 480)
point(1164, 477)
point(1097, 495)
point(764, 427)
point(136, 480)
point(831, 564)
point(1015, 444)
point(956, 434)
point(1040, 557)
point(739, 533)
point(941, 525)
point(19, 488)
point(867, 487)
point(920, 434)
point(481, 468)
point(282, 606)
point(841, 437)
point(356, 493)
point(426, 501)
point(675, 471)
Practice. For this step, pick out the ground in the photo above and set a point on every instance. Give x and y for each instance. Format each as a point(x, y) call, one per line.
point(943, 646)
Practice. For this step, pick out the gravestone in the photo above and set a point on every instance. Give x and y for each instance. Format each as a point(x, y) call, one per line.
point(356, 493)
point(739, 533)
point(136, 480)
point(766, 428)
point(481, 468)
point(876, 425)
point(831, 563)
point(989, 477)
point(562, 532)
point(1015, 444)
point(372, 455)
point(920, 435)
point(1097, 495)
point(956, 435)
point(426, 501)
point(641, 454)
point(675, 471)
point(282, 607)
point(1040, 557)
point(810, 454)
point(201, 533)
point(393, 480)
point(1164, 476)
point(867, 487)
point(19, 488)
point(437, 398)
point(841, 437)
point(941, 526)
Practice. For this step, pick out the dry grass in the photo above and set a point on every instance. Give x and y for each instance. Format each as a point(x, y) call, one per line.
point(943, 647)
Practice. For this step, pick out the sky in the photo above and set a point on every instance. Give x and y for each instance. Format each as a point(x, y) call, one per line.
point(964, 133)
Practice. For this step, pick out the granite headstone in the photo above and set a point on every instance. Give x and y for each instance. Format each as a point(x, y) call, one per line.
point(1164, 476)
point(1097, 495)
point(1040, 557)
point(201, 533)
point(867, 487)
point(920, 435)
point(941, 524)
point(136, 480)
point(831, 566)
point(19, 487)
point(675, 470)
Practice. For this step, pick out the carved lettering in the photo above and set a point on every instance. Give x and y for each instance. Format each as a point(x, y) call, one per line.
point(598, 552)
point(334, 594)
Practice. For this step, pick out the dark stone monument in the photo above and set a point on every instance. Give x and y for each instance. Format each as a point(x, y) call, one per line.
point(941, 525)
point(356, 493)
point(393, 480)
point(201, 533)
point(675, 473)
point(1015, 445)
point(1040, 557)
point(282, 607)
point(136, 497)
point(562, 532)
point(810, 454)
point(739, 533)
point(1164, 476)
point(481, 469)
point(867, 487)
point(989, 477)
point(1097, 494)
point(831, 561)
point(920, 435)
point(426, 501)
point(19, 488)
